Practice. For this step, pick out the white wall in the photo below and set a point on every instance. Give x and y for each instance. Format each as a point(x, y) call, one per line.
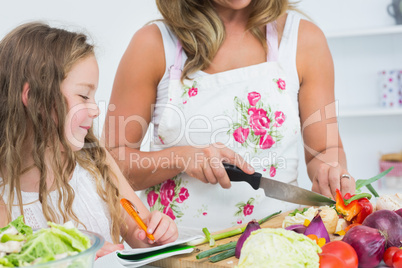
point(112, 24)
point(334, 16)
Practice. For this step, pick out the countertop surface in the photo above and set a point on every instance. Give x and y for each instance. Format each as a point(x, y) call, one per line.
point(111, 260)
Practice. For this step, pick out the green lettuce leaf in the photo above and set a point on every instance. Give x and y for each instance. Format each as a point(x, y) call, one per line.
point(72, 236)
point(46, 243)
point(10, 237)
point(42, 244)
point(19, 224)
point(5, 263)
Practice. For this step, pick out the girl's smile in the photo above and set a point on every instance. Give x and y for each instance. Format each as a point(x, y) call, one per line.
point(79, 89)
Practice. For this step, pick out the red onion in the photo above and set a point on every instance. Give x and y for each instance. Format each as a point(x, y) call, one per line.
point(317, 227)
point(369, 244)
point(389, 223)
point(298, 228)
point(399, 212)
point(251, 226)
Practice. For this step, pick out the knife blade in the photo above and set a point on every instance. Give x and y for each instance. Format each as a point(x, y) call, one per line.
point(276, 189)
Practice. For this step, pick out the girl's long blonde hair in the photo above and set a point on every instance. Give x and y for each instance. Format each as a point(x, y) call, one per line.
point(201, 31)
point(41, 56)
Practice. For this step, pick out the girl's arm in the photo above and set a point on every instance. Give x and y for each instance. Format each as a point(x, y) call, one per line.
point(160, 225)
point(325, 157)
point(131, 106)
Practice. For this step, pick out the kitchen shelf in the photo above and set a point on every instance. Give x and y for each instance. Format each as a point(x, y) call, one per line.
point(349, 112)
point(394, 29)
point(364, 110)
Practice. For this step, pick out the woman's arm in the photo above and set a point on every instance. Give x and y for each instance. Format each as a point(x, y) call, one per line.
point(134, 94)
point(131, 106)
point(325, 157)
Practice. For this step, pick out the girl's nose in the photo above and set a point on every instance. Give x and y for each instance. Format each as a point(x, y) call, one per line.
point(93, 110)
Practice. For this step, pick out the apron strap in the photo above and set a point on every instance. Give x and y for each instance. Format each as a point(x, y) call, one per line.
point(272, 42)
point(175, 70)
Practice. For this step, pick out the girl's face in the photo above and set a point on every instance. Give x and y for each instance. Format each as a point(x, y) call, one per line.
point(79, 89)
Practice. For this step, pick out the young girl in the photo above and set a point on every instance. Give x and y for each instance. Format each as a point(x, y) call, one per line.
point(52, 167)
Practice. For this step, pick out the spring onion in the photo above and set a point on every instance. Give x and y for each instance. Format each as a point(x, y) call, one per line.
point(208, 236)
point(361, 183)
point(221, 256)
point(266, 218)
point(228, 233)
point(357, 197)
point(216, 237)
point(224, 247)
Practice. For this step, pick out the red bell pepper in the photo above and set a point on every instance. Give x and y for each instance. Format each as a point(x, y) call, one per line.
point(357, 210)
point(367, 209)
point(347, 211)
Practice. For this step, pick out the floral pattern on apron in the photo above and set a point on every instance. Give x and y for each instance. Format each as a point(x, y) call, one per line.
point(246, 109)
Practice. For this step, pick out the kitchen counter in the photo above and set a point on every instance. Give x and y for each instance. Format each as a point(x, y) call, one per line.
point(189, 260)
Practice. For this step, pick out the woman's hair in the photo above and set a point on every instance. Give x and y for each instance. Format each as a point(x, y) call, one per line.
point(40, 56)
point(201, 31)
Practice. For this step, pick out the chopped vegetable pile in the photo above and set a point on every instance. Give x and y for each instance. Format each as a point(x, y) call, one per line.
point(19, 246)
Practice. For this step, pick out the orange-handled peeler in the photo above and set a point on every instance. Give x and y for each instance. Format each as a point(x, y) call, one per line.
point(133, 212)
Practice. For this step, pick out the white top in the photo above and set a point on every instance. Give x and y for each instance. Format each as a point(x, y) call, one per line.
point(89, 207)
point(287, 59)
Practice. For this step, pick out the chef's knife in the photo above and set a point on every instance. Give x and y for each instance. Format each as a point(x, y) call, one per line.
point(278, 190)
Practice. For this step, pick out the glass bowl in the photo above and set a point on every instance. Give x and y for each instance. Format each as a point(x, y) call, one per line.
point(84, 259)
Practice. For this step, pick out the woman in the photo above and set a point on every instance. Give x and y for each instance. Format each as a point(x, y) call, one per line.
point(225, 81)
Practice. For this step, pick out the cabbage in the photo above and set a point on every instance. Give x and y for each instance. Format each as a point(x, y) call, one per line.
point(277, 247)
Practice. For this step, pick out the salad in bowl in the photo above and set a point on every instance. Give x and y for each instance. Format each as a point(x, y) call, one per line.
point(56, 246)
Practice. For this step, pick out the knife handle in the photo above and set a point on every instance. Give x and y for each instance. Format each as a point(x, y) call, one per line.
point(236, 174)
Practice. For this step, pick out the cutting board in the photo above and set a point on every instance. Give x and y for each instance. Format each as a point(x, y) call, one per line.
point(189, 260)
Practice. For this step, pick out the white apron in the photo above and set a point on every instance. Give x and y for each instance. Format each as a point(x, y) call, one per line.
point(247, 109)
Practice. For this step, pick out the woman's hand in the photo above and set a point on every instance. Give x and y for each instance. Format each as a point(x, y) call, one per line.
point(161, 226)
point(330, 177)
point(108, 248)
point(205, 164)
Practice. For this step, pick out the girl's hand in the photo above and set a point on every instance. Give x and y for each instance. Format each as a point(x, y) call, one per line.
point(329, 177)
point(161, 226)
point(206, 164)
point(108, 248)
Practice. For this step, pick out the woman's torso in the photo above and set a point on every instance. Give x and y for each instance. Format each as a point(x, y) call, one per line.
point(89, 208)
point(252, 110)
point(287, 58)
